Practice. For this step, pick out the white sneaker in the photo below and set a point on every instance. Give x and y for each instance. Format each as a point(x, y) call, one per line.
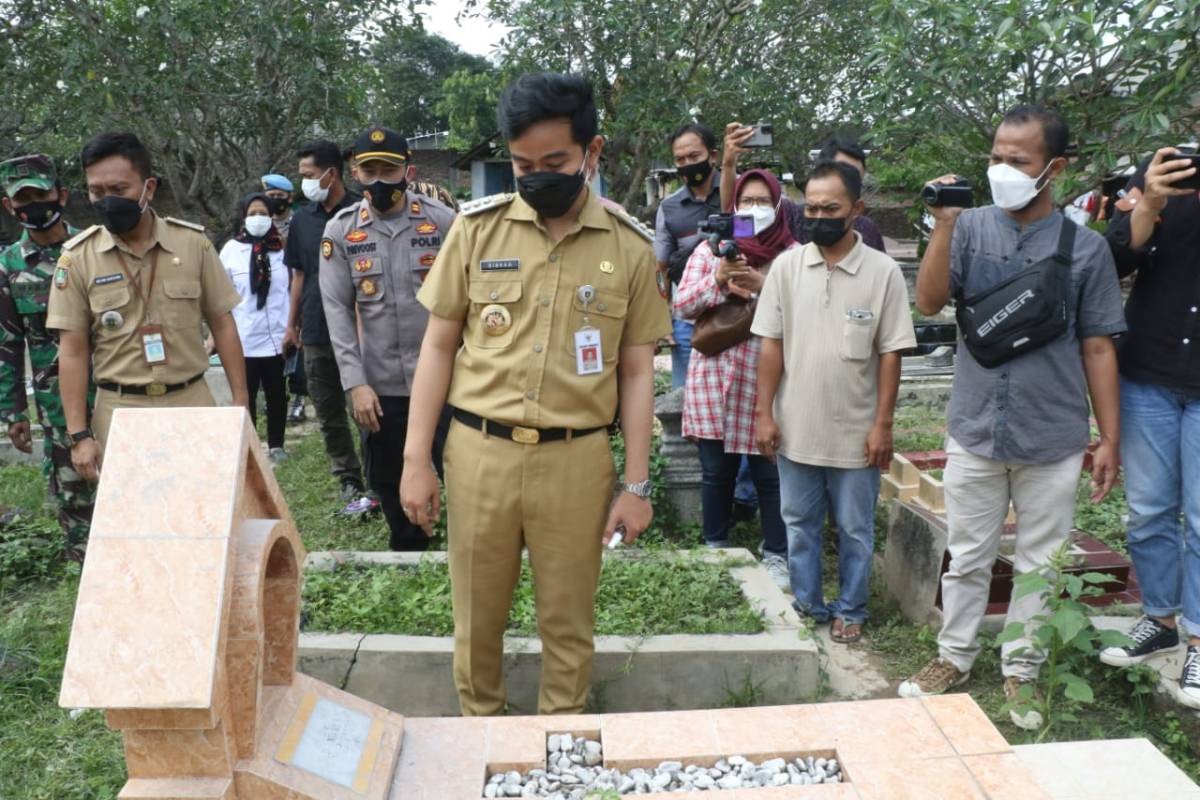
point(777, 568)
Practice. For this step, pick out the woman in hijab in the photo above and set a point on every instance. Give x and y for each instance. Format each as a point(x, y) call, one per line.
point(719, 395)
point(254, 260)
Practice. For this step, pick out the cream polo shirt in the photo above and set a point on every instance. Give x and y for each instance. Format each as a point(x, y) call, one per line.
point(834, 323)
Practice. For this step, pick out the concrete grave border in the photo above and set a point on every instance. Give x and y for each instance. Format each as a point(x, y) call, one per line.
point(412, 675)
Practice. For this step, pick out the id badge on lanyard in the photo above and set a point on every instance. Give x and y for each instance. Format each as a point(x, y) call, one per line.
point(589, 354)
point(154, 343)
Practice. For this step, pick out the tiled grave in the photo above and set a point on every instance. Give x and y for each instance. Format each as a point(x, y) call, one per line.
point(941, 747)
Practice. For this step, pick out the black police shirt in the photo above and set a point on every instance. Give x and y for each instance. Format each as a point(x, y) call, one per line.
point(303, 254)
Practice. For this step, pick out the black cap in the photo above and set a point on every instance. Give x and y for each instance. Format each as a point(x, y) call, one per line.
point(380, 143)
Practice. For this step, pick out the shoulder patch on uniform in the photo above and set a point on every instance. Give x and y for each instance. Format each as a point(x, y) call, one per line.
point(184, 223)
point(485, 204)
point(79, 237)
point(641, 228)
point(327, 248)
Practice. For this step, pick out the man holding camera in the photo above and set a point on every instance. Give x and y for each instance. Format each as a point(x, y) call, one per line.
point(676, 226)
point(1156, 233)
point(1018, 418)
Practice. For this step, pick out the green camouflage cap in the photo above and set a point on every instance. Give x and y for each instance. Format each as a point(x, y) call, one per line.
point(35, 170)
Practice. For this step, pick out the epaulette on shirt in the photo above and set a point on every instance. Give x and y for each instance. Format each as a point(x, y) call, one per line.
point(350, 209)
point(485, 203)
point(75, 240)
point(623, 215)
point(194, 226)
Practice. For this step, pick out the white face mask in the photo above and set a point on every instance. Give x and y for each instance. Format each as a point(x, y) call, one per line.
point(312, 189)
point(257, 225)
point(763, 218)
point(1012, 189)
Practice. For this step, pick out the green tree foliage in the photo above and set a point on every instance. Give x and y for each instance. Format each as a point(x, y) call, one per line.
point(421, 79)
point(220, 90)
point(468, 104)
point(658, 63)
point(944, 71)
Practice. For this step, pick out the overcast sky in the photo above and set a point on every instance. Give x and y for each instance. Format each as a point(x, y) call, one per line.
point(471, 34)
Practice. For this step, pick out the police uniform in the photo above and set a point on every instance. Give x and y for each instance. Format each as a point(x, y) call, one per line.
point(527, 459)
point(123, 301)
point(372, 265)
point(26, 271)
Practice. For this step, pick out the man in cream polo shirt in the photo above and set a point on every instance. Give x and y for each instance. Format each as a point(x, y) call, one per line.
point(833, 317)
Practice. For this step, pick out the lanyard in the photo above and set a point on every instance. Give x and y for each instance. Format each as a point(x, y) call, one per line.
point(137, 286)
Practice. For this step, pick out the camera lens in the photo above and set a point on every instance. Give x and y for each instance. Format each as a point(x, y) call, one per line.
point(930, 194)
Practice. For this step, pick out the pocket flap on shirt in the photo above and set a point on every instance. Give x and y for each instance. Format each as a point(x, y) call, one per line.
point(494, 291)
point(109, 299)
point(606, 304)
point(182, 290)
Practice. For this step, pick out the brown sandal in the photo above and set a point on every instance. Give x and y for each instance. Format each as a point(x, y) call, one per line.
point(838, 631)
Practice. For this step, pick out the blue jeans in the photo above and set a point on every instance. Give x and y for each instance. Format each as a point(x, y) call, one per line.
point(744, 489)
point(718, 475)
point(681, 354)
point(852, 492)
point(1160, 447)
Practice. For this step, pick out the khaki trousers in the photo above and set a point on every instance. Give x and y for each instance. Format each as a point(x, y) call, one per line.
point(196, 395)
point(978, 491)
point(552, 499)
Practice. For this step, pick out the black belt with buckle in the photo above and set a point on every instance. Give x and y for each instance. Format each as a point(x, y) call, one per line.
point(518, 434)
point(150, 389)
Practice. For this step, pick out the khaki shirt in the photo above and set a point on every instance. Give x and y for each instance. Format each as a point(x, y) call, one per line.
point(834, 324)
point(375, 264)
point(498, 264)
point(190, 286)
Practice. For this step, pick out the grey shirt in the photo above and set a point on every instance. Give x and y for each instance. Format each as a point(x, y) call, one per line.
point(679, 216)
point(1034, 409)
point(371, 268)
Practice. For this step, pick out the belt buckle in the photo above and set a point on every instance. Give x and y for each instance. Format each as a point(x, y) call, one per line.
point(526, 435)
point(156, 389)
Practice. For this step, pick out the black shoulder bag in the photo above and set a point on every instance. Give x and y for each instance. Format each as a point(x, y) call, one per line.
point(1022, 313)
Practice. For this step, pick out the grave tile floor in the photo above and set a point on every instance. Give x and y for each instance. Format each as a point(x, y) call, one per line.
point(940, 747)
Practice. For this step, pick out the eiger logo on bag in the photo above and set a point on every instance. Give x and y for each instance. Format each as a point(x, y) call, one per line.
point(1004, 313)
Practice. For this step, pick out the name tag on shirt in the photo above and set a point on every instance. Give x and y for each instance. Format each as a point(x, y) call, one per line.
point(104, 280)
point(589, 358)
point(500, 265)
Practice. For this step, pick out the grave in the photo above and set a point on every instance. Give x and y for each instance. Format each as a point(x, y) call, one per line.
point(187, 619)
point(916, 556)
point(185, 636)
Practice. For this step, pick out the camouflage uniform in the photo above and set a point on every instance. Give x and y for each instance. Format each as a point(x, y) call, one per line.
point(26, 270)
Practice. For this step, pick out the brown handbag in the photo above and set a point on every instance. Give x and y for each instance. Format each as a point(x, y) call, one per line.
point(723, 326)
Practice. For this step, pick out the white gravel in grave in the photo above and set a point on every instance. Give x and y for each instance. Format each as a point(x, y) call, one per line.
point(575, 767)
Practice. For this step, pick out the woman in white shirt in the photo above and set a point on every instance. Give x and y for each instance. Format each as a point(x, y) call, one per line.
point(254, 261)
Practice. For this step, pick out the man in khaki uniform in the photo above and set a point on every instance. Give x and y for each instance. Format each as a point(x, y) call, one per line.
point(375, 255)
point(545, 312)
point(129, 298)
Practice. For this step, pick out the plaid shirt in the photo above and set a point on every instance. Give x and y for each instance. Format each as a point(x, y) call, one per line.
point(718, 398)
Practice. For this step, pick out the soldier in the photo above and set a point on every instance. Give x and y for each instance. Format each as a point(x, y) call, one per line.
point(36, 198)
point(374, 257)
point(544, 315)
point(129, 297)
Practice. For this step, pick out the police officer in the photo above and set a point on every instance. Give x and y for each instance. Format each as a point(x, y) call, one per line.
point(36, 198)
point(374, 257)
point(553, 298)
point(129, 297)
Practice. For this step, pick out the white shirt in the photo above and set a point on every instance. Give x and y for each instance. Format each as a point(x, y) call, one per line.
point(261, 330)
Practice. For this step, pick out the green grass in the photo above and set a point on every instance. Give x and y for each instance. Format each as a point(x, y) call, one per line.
point(636, 598)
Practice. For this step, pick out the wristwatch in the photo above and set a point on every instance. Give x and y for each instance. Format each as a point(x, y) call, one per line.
point(80, 436)
point(640, 489)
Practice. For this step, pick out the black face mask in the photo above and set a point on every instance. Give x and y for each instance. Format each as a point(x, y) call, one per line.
point(550, 193)
point(276, 206)
point(120, 214)
point(39, 215)
point(695, 174)
point(384, 194)
point(825, 231)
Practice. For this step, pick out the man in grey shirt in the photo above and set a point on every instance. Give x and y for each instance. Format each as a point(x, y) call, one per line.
point(1017, 432)
point(374, 257)
point(676, 234)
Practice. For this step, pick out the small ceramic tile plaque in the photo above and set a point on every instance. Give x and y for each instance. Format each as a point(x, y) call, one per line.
point(332, 742)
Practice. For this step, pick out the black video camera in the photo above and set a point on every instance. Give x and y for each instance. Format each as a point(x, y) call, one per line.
point(956, 195)
point(722, 229)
